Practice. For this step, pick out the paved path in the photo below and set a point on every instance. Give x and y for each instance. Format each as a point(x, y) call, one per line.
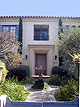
point(42, 95)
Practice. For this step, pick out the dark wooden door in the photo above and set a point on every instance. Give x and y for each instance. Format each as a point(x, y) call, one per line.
point(41, 59)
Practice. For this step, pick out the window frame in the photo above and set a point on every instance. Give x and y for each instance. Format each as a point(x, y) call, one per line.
point(9, 26)
point(42, 29)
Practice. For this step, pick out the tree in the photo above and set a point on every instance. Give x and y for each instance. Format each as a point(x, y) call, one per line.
point(69, 44)
point(69, 47)
point(9, 49)
point(60, 26)
point(20, 34)
point(60, 30)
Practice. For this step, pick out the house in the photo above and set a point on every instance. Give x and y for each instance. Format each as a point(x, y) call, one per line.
point(39, 38)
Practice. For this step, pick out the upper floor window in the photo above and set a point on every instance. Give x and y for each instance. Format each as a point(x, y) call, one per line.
point(41, 32)
point(10, 28)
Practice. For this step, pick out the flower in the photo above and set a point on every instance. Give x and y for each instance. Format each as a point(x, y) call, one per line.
point(23, 92)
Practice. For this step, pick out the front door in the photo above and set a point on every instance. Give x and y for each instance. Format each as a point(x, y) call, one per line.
point(41, 59)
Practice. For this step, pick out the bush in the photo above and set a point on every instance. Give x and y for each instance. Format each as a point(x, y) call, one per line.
point(63, 73)
point(67, 92)
point(21, 72)
point(15, 90)
point(4, 72)
point(46, 86)
point(54, 80)
point(28, 80)
point(59, 70)
point(38, 84)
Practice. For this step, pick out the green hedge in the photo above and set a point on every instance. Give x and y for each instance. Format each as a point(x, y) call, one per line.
point(63, 73)
point(21, 72)
point(54, 80)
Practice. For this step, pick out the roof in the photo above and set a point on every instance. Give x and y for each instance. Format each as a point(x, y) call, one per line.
point(69, 17)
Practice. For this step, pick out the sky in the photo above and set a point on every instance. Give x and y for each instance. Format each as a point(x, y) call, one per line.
point(40, 8)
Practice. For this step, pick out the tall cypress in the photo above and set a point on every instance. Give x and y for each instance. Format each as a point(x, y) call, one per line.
point(20, 34)
point(60, 30)
point(60, 26)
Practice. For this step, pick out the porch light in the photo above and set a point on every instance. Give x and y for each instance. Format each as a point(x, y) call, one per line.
point(26, 57)
point(55, 57)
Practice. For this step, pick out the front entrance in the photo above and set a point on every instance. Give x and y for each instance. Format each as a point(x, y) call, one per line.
point(41, 59)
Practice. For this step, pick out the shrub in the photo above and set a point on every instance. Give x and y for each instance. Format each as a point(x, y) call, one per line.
point(15, 91)
point(46, 86)
point(67, 92)
point(59, 70)
point(21, 72)
point(4, 72)
point(54, 80)
point(28, 80)
point(63, 73)
point(38, 84)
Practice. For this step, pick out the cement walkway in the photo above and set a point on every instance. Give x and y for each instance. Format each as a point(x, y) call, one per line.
point(41, 95)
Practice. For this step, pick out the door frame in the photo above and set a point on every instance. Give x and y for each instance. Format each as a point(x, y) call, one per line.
point(48, 49)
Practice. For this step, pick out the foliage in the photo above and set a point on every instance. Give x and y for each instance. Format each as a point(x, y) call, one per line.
point(46, 86)
point(54, 80)
point(38, 84)
point(68, 92)
point(4, 72)
point(61, 71)
point(69, 43)
point(21, 72)
point(8, 49)
point(60, 27)
point(28, 80)
point(20, 30)
point(14, 90)
point(60, 76)
point(20, 35)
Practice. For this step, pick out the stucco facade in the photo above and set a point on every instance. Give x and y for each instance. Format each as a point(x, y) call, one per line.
point(32, 47)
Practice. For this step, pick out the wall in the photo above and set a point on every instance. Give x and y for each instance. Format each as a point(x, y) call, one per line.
point(28, 39)
point(74, 103)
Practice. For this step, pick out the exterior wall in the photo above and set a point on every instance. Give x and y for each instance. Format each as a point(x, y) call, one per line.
point(28, 39)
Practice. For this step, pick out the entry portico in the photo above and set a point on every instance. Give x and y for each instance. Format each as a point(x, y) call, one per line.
point(43, 55)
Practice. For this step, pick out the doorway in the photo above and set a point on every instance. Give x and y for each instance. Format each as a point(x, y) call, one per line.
point(41, 59)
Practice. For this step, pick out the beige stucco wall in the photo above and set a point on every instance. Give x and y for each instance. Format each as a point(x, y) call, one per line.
point(28, 39)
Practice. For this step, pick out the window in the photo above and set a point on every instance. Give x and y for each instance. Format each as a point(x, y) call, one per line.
point(6, 28)
point(41, 32)
point(11, 28)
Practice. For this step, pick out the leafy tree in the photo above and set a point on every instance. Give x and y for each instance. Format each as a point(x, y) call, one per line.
point(69, 47)
point(69, 44)
point(9, 49)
